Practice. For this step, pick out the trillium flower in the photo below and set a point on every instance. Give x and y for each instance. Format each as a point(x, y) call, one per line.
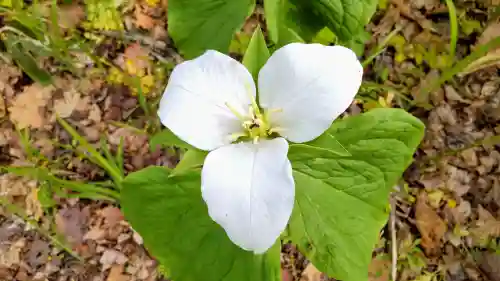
point(211, 103)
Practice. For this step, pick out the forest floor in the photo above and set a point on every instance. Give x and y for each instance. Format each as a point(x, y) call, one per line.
point(446, 211)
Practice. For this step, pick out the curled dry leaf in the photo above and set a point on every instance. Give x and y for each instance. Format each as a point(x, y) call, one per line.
point(26, 108)
point(431, 227)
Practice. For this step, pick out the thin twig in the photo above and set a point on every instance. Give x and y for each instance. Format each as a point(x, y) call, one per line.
point(392, 226)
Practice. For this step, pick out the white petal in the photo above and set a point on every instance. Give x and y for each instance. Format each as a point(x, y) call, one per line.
point(312, 84)
point(193, 105)
point(249, 190)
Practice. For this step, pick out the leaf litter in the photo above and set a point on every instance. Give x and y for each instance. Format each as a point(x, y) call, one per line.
point(447, 217)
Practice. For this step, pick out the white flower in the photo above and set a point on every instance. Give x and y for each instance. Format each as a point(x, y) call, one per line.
point(247, 180)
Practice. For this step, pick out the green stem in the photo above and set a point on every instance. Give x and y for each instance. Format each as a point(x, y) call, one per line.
point(454, 28)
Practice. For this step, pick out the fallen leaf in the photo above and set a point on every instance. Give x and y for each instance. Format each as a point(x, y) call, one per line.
point(311, 273)
point(112, 215)
point(111, 257)
point(38, 254)
point(116, 274)
point(486, 226)
point(70, 15)
point(142, 20)
point(431, 227)
point(379, 269)
point(26, 108)
point(458, 180)
point(12, 256)
point(65, 106)
point(71, 222)
point(427, 4)
point(490, 264)
point(136, 59)
point(95, 234)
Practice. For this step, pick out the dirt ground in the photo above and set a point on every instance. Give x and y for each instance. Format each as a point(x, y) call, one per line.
point(446, 209)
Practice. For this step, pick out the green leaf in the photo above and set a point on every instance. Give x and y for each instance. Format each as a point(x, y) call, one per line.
point(346, 18)
point(167, 138)
point(341, 201)
point(192, 159)
point(27, 62)
point(274, 11)
point(169, 213)
point(326, 143)
point(256, 54)
point(200, 25)
point(302, 19)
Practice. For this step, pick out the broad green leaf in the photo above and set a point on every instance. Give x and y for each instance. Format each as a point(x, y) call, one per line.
point(200, 25)
point(169, 213)
point(357, 42)
point(302, 19)
point(341, 201)
point(346, 18)
point(325, 36)
point(329, 142)
point(167, 138)
point(256, 54)
point(274, 11)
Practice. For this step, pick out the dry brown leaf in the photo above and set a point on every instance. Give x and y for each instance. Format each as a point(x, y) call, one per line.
point(111, 257)
point(142, 20)
point(12, 256)
point(71, 222)
point(431, 227)
point(65, 106)
point(116, 274)
point(70, 15)
point(379, 270)
point(311, 273)
point(136, 59)
point(112, 215)
point(486, 225)
point(38, 253)
point(490, 264)
point(26, 108)
point(427, 4)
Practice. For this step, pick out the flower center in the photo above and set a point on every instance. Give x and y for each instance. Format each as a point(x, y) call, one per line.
point(256, 125)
